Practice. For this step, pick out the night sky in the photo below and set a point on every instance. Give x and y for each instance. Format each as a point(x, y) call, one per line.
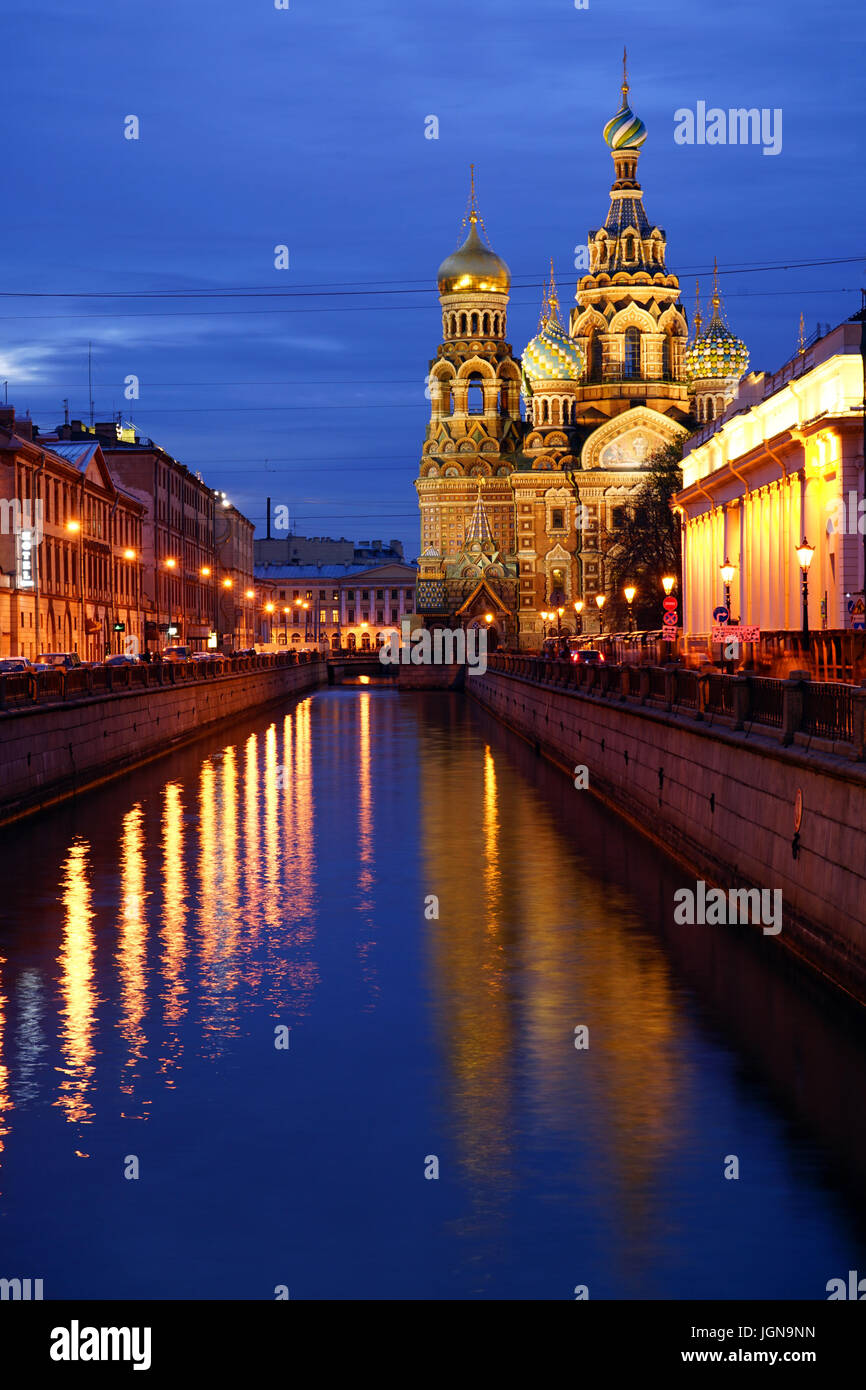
point(305, 127)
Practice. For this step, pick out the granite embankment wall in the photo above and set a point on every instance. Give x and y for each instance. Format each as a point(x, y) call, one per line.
point(723, 801)
point(49, 752)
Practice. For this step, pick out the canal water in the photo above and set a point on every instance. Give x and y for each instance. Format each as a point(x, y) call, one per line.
point(286, 972)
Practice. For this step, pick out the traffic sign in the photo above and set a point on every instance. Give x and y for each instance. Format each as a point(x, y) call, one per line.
point(669, 603)
point(721, 614)
point(857, 609)
point(670, 619)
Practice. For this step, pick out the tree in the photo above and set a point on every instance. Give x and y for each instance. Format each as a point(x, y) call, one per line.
point(647, 546)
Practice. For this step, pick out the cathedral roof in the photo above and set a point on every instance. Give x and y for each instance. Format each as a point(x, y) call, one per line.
point(551, 355)
point(715, 352)
point(625, 130)
point(479, 526)
point(474, 267)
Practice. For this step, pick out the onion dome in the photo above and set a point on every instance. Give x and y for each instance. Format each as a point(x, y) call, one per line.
point(715, 352)
point(474, 267)
point(551, 355)
point(625, 130)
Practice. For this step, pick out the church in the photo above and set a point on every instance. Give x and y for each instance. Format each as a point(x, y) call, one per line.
point(530, 464)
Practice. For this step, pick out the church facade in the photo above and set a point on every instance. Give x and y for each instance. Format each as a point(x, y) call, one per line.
point(530, 464)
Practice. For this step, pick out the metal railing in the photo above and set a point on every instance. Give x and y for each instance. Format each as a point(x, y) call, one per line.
point(58, 686)
point(826, 710)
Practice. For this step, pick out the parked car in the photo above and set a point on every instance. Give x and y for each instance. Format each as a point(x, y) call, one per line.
point(10, 665)
point(586, 656)
point(65, 661)
point(121, 659)
point(205, 656)
point(178, 653)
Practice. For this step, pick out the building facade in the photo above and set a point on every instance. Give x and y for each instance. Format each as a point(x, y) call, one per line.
point(354, 606)
point(782, 464)
point(520, 509)
point(71, 568)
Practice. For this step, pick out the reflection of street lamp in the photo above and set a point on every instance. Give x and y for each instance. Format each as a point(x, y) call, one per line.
point(804, 555)
point(630, 592)
point(601, 600)
point(727, 571)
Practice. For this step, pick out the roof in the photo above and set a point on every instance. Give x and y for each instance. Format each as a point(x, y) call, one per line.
point(77, 452)
point(287, 572)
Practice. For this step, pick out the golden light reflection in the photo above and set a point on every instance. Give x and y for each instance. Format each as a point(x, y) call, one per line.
point(6, 1104)
point(174, 911)
point(366, 876)
point(299, 852)
point(132, 948)
point(77, 987)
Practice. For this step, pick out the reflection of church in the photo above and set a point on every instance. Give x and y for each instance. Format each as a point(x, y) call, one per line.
point(516, 513)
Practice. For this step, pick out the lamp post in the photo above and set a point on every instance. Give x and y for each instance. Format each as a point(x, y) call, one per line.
point(668, 582)
point(804, 555)
point(727, 571)
point(601, 600)
point(578, 616)
point(630, 592)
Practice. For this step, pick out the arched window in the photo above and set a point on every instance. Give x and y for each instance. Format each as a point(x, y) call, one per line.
point(475, 397)
point(474, 324)
point(485, 324)
point(631, 364)
point(666, 358)
point(462, 323)
point(594, 357)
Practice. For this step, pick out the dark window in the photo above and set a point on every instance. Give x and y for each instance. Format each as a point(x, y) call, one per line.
point(557, 519)
point(365, 594)
point(619, 517)
point(632, 352)
point(380, 593)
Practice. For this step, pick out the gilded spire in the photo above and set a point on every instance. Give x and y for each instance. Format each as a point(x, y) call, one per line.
point(716, 297)
point(473, 205)
point(624, 88)
point(552, 296)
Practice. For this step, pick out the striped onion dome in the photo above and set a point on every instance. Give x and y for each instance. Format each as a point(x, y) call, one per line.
point(625, 130)
point(551, 356)
point(717, 352)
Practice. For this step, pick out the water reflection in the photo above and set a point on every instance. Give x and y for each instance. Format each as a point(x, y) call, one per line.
point(77, 987)
point(278, 873)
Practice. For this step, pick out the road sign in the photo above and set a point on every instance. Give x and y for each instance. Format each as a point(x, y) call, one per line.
point(670, 619)
point(725, 634)
point(857, 609)
point(721, 614)
point(669, 603)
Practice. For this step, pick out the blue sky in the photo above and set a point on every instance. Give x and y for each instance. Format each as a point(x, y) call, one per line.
point(305, 127)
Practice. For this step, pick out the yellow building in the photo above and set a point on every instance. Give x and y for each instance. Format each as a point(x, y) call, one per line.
point(782, 464)
point(519, 511)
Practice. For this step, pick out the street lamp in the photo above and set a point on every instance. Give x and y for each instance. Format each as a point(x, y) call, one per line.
point(668, 582)
point(727, 571)
point(804, 555)
point(601, 600)
point(630, 592)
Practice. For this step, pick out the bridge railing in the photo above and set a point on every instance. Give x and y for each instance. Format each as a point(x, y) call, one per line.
point(57, 686)
point(795, 710)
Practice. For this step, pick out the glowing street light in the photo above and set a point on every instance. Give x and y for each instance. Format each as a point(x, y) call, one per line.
point(205, 571)
point(668, 582)
point(601, 600)
point(73, 526)
point(804, 556)
point(269, 608)
point(630, 592)
point(251, 593)
point(129, 554)
point(171, 563)
point(228, 583)
point(727, 571)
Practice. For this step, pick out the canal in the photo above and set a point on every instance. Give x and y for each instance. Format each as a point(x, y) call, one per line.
point(278, 974)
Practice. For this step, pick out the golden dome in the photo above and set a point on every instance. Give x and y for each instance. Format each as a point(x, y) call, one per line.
point(473, 268)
